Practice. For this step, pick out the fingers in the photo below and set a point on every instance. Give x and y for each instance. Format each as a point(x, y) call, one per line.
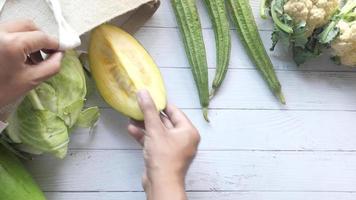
point(18, 26)
point(35, 41)
point(166, 121)
point(176, 116)
point(148, 107)
point(45, 69)
point(137, 133)
point(139, 124)
point(36, 57)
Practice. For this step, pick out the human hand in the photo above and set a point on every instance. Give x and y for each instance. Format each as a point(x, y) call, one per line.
point(169, 144)
point(21, 66)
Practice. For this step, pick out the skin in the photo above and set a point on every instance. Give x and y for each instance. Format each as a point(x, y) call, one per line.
point(169, 142)
point(21, 66)
point(169, 146)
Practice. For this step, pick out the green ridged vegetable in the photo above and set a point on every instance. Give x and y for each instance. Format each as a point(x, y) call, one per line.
point(241, 13)
point(15, 182)
point(218, 14)
point(189, 24)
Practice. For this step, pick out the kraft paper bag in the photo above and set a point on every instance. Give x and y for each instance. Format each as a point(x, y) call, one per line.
point(81, 15)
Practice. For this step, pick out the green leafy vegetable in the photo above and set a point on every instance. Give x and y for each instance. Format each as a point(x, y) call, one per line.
point(264, 8)
point(43, 121)
point(307, 50)
point(282, 21)
point(91, 87)
point(291, 32)
point(286, 30)
point(88, 117)
point(331, 31)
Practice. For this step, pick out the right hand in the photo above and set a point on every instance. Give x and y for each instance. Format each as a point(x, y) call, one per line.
point(20, 67)
point(169, 145)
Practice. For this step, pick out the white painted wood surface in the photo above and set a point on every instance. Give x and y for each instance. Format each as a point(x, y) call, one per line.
point(207, 195)
point(253, 148)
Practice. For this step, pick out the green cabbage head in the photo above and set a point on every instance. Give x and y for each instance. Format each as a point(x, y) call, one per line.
point(44, 120)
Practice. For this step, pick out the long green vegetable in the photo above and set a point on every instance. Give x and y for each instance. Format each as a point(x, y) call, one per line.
point(15, 182)
point(218, 14)
point(189, 24)
point(247, 29)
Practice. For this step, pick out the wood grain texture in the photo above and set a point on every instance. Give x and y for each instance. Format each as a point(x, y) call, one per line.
point(120, 170)
point(253, 149)
point(245, 89)
point(207, 196)
point(241, 130)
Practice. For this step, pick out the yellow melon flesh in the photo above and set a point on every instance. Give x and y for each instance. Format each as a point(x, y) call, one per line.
point(121, 67)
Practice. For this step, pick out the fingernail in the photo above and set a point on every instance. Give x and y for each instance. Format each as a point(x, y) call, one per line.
point(142, 95)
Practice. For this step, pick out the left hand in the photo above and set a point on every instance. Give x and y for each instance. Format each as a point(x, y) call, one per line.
point(21, 70)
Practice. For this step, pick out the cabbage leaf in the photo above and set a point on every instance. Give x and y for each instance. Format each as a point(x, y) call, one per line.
point(44, 120)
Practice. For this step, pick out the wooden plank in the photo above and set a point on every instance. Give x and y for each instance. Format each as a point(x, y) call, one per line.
point(112, 170)
point(95, 195)
point(240, 130)
point(207, 196)
point(164, 17)
point(245, 89)
point(168, 51)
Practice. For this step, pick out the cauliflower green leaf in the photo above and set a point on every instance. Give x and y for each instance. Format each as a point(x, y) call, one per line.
point(331, 31)
point(297, 24)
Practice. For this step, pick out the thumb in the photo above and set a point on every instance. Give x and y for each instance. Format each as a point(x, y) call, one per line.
point(148, 107)
point(47, 68)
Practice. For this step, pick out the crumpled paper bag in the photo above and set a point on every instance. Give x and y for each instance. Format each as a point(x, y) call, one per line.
point(81, 15)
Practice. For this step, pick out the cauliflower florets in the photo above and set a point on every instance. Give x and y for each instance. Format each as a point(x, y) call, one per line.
point(315, 13)
point(344, 45)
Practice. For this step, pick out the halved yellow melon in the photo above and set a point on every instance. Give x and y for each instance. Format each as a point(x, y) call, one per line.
point(121, 67)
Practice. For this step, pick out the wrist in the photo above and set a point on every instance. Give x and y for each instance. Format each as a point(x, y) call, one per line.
point(167, 187)
point(166, 175)
point(170, 179)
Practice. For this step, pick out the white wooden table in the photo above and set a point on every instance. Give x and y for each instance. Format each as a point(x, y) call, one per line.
point(253, 149)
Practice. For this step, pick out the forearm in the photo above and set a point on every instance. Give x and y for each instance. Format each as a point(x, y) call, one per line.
point(167, 187)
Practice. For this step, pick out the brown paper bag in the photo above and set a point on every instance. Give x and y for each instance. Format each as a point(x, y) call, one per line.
point(82, 15)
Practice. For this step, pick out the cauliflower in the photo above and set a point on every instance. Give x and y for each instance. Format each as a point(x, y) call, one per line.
point(309, 27)
point(344, 46)
point(316, 13)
